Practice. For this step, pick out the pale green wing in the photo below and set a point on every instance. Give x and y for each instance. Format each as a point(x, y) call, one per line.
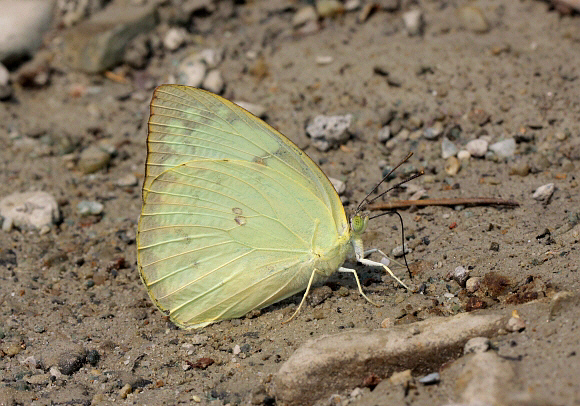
point(189, 124)
point(218, 238)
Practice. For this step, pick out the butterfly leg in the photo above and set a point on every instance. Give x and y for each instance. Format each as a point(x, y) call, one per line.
point(314, 272)
point(368, 262)
point(352, 271)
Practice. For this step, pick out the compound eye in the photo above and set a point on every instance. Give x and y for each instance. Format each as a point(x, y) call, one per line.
point(358, 224)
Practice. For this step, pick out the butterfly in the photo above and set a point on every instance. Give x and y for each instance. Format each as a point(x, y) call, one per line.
point(235, 216)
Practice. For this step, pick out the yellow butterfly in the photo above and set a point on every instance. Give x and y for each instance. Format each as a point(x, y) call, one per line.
point(235, 216)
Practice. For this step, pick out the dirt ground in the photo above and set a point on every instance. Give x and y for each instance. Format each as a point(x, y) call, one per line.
point(73, 296)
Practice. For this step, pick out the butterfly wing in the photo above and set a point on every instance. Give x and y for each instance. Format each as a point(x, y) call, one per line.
point(188, 124)
point(233, 214)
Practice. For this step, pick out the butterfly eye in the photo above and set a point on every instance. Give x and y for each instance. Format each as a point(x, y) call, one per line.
point(358, 224)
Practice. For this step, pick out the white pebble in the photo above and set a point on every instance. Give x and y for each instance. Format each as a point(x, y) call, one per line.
point(324, 59)
point(413, 22)
point(191, 72)
point(174, 38)
point(544, 192)
point(339, 185)
point(213, 81)
point(463, 155)
point(477, 148)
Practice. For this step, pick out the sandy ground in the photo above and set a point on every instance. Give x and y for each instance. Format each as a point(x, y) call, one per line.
point(73, 296)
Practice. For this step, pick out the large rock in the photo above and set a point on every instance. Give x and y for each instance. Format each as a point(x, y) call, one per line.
point(22, 24)
point(99, 44)
point(337, 362)
point(30, 210)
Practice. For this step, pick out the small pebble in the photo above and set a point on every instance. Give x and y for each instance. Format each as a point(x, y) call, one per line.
point(477, 148)
point(319, 295)
point(505, 148)
point(401, 378)
point(384, 134)
point(339, 185)
point(452, 166)
point(127, 180)
point(174, 38)
point(561, 135)
point(39, 328)
point(494, 246)
point(398, 251)
point(4, 75)
point(211, 57)
point(544, 192)
point(463, 155)
point(413, 21)
point(448, 148)
point(431, 379)
point(472, 284)
point(125, 391)
point(434, 131)
point(92, 159)
point(460, 275)
point(329, 131)
point(191, 71)
point(388, 322)
point(256, 109)
point(324, 60)
point(304, 15)
point(520, 169)
point(515, 324)
point(476, 345)
point(329, 8)
point(88, 208)
point(473, 19)
point(213, 81)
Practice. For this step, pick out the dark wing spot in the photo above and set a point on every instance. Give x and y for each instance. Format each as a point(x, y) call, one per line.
point(259, 161)
point(240, 220)
point(237, 210)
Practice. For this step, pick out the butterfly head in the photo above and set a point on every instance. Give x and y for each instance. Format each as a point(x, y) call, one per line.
point(359, 222)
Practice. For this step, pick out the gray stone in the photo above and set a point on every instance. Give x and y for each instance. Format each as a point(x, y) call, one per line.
point(329, 131)
point(92, 159)
point(505, 148)
point(30, 210)
point(431, 133)
point(448, 148)
point(317, 369)
point(384, 134)
point(88, 208)
point(99, 44)
point(22, 25)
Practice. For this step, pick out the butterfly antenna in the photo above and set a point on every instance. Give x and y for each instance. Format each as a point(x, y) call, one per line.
point(364, 201)
point(402, 236)
point(410, 178)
